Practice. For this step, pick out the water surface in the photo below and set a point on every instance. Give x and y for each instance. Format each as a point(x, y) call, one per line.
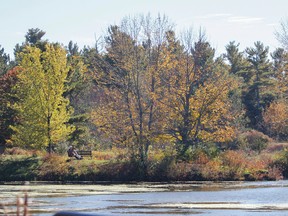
point(190, 198)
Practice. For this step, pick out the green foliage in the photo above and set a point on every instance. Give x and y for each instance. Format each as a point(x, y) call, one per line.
point(235, 58)
point(198, 153)
point(77, 90)
point(4, 62)
point(257, 80)
point(41, 107)
point(34, 36)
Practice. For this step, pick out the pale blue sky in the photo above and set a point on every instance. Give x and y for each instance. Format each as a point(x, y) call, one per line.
point(244, 21)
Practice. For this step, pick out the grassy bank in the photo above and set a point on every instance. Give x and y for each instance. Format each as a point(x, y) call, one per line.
point(114, 165)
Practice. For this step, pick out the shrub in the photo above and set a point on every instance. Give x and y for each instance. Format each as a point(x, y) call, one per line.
point(234, 164)
point(108, 155)
point(17, 151)
point(158, 169)
point(276, 147)
point(212, 170)
point(183, 171)
point(201, 153)
point(282, 162)
point(23, 152)
point(253, 140)
point(53, 168)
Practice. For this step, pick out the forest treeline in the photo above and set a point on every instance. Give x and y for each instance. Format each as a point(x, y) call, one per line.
point(143, 87)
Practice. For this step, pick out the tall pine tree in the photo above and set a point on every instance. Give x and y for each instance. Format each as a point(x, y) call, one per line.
point(257, 97)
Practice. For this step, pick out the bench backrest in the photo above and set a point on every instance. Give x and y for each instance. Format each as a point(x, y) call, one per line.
point(85, 153)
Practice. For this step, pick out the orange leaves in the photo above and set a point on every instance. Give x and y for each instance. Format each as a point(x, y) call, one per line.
point(197, 109)
point(162, 91)
point(275, 118)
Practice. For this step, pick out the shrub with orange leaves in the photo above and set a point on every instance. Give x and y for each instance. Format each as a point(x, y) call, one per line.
point(234, 164)
point(212, 170)
point(53, 168)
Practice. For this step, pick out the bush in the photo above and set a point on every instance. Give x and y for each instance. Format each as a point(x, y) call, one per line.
point(53, 168)
point(227, 165)
point(234, 164)
point(253, 140)
point(282, 162)
point(212, 170)
point(202, 153)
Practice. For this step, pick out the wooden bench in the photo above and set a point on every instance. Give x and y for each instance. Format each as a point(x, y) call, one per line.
point(85, 153)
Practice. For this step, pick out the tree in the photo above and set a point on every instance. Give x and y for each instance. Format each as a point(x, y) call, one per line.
point(34, 36)
point(77, 89)
point(239, 73)
point(4, 62)
point(257, 95)
point(76, 76)
point(276, 119)
point(280, 72)
point(238, 64)
point(195, 94)
point(43, 112)
point(276, 113)
point(127, 77)
point(282, 34)
point(7, 113)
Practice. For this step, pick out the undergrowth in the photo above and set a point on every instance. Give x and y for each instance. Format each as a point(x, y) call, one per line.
point(113, 166)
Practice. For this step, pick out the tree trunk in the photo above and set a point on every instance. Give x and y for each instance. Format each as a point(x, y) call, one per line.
point(49, 134)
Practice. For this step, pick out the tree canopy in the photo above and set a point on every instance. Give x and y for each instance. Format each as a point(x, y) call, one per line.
point(149, 87)
point(40, 105)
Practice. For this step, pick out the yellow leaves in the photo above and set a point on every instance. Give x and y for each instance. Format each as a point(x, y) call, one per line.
point(42, 109)
point(200, 109)
point(162, 93)
point(163, 138)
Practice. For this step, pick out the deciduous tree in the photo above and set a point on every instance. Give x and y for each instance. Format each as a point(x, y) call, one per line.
point(43, 112)
point(7, 113)
point(128, 73)
point(282, 34)
point(195, 90)
point(276, 119)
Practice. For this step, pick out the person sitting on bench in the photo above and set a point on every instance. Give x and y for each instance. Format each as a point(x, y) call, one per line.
point(73, 153)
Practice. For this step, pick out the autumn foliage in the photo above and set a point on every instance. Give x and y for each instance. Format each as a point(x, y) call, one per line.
point(176, 108)
point(276, 119)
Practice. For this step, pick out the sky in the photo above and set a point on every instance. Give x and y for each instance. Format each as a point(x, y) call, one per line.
point(82, 21)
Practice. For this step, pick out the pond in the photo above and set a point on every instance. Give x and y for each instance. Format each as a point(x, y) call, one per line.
point(188, 198)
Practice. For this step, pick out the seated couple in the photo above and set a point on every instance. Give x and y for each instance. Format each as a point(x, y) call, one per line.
point(72, 152)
